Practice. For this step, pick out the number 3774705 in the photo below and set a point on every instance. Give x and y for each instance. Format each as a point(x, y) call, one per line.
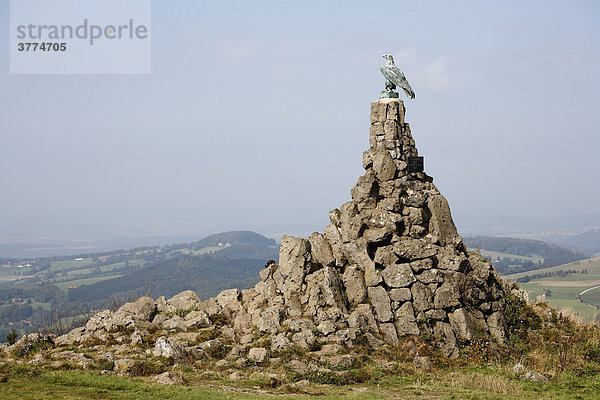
point(44, 46)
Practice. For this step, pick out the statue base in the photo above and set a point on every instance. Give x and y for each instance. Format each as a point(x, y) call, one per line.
point(388, 94)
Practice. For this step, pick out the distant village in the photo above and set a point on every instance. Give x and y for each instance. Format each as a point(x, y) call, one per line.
point(19, 264)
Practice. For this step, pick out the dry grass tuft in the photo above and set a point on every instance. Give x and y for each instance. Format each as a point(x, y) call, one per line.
point(485, 383)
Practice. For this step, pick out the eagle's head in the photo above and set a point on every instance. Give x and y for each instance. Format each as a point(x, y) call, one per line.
point(388, 57)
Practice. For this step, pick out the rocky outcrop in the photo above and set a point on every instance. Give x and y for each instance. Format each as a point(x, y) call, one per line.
point(390, 264)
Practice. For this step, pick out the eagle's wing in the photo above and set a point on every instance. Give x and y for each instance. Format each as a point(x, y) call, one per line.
point(396, 76)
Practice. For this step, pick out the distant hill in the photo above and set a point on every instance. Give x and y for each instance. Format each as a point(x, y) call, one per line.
point(203, 274)
point(236, 263)
point(233, 238)
point(513, 251)
point(73, 284)
point(585, 242)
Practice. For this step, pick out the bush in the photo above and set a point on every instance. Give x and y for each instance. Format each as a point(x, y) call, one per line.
point(218, 319)
point(11, 338)
point(183, 313)
point(329, 378)
point(145, 368)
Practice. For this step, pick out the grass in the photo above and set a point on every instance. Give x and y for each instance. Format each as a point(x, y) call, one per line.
point(565, 351)
point(60, 265)
point(204, 250)
point(87, 385)
point(565, 289)
point(87, 281)
point(492, 255)
point(593, 296)
point(43, 306)
point(110, 267)
point(592, 265)
point(467, 383)
point(563, 297)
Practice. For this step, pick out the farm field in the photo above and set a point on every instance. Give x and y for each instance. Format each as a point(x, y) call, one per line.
point(204, 250)
point(593, 296)
point(87, 281)
point(562, 290)
point(492, 255)
point(59, 265)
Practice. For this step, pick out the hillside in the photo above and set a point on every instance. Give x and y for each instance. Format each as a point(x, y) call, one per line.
point(204, 274)
point(563, 284)
point(585, 242)
point(512, 255)
point(34, 292)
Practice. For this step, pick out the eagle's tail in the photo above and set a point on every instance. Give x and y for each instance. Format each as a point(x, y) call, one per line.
point(409, 92)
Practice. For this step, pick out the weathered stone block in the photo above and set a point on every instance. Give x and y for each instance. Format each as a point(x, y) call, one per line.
point(185, 300)
point(430, 276)
point(395, 110)
point(440, 223)
point(391, 130)
point(421, 265)
point(422, 297)
point(372, 275)
point(366, 310)
point(398, 275)
point(445, 336)
point(400, 295)
point(378, 112)
point(413, 249)
point(381, 303)
point(461, 323)
point(447, 296)
point(364, 193)
point(388, 331)
point(320, 249)
point(258, 354)
point(354, 282)
point(332, 234)
point(328, 281)
point(294, 256)
point(495, 323)
point(385, 256)
point(350, 222)
point(406, 323)
point(356, 253)
point(383, 165)
point(368, 159)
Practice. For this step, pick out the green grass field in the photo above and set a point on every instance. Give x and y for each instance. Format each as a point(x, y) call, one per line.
point(60, 265)
point(492, 255)
point(204, 250)
point(87, 281)
point(565, 289)
point(462, 383)
point(592, 265)
point(593, 296)
point(43, 306)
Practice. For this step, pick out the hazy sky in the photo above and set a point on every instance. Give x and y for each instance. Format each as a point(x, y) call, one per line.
point(256, 115)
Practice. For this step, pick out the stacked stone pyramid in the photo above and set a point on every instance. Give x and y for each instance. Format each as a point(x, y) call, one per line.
point(390, 265)
point(391, 262)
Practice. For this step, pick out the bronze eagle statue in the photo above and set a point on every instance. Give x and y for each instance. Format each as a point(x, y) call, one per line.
point(395, 77)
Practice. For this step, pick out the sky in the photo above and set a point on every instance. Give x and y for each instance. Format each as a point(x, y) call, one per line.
point(256, 114)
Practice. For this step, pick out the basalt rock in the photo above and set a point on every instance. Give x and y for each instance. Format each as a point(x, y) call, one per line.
point(390, 264)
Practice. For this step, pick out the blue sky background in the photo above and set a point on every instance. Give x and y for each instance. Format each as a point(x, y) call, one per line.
point(256, 115)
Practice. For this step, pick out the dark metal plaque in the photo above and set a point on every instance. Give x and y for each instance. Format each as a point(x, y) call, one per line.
point(415, 164)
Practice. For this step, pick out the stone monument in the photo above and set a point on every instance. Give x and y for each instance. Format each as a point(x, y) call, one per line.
point(389, 265)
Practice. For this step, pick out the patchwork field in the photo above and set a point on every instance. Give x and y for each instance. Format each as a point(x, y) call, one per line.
point(492, 255)
point(563, 283)
point(87, 281)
